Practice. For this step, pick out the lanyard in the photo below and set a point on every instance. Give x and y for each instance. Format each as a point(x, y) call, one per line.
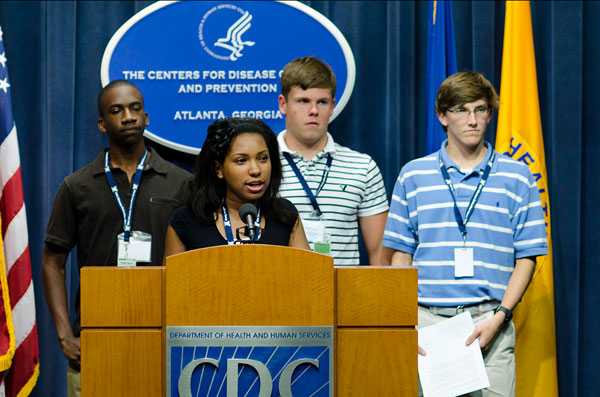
point(137, 177)
point(462, 224)
point(312, 197)
point(229, 231)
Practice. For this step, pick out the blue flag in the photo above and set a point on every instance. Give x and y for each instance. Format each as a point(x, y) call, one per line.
point(441, 63)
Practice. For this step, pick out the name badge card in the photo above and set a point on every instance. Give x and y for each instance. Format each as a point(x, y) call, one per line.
point(137, 249)
point(316, 234)
point(463, 262)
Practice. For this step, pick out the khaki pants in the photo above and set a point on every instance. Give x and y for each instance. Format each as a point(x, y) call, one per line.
point(499, 357)
point(73, 386)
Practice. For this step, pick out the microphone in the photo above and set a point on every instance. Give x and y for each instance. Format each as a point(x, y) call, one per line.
point(248, 213)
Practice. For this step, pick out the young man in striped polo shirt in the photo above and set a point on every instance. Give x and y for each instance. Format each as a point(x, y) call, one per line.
point(336, 189)
point(471, 221)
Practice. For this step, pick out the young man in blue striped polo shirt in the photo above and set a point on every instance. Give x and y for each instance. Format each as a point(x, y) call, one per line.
point(336, 189)
point(471, 221)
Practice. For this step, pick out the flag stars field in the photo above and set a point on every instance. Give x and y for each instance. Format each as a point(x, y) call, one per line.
point(4, 85)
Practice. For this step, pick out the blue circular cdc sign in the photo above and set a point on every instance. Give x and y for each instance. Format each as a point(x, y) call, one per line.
point(198, 61)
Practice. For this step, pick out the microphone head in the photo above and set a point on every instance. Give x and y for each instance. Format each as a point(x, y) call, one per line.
point(248, 209)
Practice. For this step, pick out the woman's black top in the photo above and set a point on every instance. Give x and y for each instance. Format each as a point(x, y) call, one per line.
point(194, 233)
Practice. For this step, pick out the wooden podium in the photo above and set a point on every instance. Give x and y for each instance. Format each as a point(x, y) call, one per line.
point(125, 311)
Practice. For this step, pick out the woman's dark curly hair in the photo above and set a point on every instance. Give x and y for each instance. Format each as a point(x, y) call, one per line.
point(208, 191)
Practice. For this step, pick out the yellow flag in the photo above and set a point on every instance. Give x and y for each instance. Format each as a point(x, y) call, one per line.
point(520, 136)
point(7, 330)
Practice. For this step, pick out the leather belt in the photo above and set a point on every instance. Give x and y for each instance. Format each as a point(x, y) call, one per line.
point(451, 311)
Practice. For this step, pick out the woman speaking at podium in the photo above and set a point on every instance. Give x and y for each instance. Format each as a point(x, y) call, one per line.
point(233, 198)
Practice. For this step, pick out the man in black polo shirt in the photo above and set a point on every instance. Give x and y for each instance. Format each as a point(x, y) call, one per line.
point(115, 209)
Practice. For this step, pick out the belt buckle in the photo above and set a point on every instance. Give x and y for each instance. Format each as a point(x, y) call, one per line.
point(460, 309)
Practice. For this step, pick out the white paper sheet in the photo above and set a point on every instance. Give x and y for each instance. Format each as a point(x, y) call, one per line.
point(450, 368)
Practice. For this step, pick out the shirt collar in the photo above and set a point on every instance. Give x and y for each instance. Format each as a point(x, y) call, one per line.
point(283, 147)
point(451, 164)
point(154, 162)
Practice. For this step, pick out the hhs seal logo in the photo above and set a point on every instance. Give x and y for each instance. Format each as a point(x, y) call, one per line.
point(221, 37)
point(249, 361)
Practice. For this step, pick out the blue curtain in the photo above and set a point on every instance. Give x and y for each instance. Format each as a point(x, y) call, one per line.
point(54, 51)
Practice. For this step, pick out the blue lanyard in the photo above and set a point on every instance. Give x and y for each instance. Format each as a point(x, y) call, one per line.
point(462, 224)
point(311, 196)
point(229, 231)
point(137, 177)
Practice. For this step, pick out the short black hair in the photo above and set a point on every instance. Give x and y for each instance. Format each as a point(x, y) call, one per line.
point(114, 83)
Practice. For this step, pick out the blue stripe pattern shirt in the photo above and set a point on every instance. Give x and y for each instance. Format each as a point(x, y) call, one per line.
point(507, 224)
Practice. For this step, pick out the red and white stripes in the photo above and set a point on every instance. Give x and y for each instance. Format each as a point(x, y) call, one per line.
point(20, 379)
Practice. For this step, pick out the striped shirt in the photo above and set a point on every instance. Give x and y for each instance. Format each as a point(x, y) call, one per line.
point(507, 223)
point(354, 188)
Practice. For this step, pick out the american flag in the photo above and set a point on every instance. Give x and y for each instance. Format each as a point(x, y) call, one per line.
point(18, 330)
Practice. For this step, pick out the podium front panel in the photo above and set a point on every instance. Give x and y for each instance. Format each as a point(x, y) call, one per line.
point(126, 363)
point(376, 340)
point(376, 362)
point(376, 296)
point(266, 307)
point(249, 285)
point(121, 297)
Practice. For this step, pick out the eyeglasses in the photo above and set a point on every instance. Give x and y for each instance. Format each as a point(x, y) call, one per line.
point(462, 112)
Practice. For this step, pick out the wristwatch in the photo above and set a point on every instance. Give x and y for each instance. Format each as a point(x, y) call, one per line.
point(507, 312)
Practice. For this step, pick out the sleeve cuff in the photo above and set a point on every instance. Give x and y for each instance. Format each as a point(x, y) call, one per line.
point(57, 242)
point(373, 211)
point(397, 246)
point(531, 252)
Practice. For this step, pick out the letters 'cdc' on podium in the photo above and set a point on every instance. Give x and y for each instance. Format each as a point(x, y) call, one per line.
point(215, 312)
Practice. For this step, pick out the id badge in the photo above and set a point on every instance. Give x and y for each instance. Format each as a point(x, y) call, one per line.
point(463, 262)
point(137, 249)
point(317, 237)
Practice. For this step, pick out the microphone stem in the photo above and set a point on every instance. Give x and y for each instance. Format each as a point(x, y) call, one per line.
point(250, 224)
